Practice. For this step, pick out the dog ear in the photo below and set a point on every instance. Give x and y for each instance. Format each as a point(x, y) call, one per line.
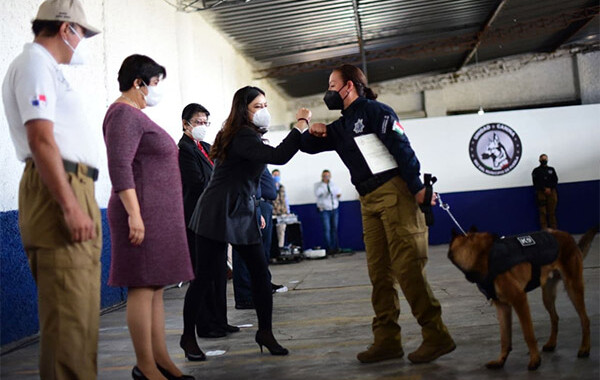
point(473, 229)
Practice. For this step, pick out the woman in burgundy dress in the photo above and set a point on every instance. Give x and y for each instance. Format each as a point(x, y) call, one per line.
point(145, 214)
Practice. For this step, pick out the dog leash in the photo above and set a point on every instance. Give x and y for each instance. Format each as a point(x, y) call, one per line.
point(446, 207)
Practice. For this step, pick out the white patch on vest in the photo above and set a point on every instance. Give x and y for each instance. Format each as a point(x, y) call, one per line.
point(526, 241)
point(386, 118)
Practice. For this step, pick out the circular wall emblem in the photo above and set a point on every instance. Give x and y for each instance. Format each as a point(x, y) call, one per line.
point(495, 149)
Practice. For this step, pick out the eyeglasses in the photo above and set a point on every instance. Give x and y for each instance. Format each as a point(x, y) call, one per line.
point(200, 122)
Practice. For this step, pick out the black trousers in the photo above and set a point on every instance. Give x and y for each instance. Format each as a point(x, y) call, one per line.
point(207, 318)
point(211, 263)
point(242, 290)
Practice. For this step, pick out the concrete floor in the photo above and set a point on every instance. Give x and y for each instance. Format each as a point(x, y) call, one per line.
point(324, 320)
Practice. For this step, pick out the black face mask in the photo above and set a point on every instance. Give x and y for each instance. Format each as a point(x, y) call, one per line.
point(544, 162)
point(333, 100)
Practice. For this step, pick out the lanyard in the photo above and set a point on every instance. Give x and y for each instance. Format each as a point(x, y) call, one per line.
point(204, 152)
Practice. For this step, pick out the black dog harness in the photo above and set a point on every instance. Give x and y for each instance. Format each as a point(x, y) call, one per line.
point(537, 248)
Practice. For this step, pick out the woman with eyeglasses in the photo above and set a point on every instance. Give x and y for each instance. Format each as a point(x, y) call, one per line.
point(226, 211)
point(196, 169)
point(145, 214)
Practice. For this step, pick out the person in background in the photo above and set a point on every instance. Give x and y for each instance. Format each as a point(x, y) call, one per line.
point(545, 181)
point(385, 171)
point(59, 219)
point(241, 278)
point(196, 168)
point(226, 211)
point(280, 206)
point(145, 214)
point(328, 200)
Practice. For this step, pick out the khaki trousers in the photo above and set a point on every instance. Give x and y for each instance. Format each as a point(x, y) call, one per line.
point(67, 276)
point(547, 208)
point(395, 236)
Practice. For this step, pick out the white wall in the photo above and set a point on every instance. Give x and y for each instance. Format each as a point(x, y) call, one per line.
point(588, 69)
point(201, 65)
point(570, 136)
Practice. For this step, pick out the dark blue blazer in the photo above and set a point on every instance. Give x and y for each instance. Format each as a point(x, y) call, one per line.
point(266, 188)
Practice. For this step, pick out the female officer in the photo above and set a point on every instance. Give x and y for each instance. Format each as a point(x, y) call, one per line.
point(385, 171)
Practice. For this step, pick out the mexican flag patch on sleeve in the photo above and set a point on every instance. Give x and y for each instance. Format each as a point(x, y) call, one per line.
point(398, 128)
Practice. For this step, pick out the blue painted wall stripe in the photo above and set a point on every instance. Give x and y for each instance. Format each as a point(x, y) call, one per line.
point(504, 211)
point(18, 302)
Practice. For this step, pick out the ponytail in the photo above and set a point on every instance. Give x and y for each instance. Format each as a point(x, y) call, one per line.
point(356, 76)
point(370, 94)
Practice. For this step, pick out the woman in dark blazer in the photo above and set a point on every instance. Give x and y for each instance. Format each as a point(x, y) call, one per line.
point(195, 165)
point(196, 169)
point(226, 211)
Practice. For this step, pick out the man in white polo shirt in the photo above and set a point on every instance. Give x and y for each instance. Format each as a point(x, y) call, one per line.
point(328, 200)
point(59, 219)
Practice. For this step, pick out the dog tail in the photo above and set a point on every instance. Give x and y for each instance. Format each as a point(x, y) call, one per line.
point(585, 242)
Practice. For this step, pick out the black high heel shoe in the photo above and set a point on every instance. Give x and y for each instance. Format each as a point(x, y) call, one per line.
point(266, 338)
point(137, 374)
point(190, 348)
point(170, 376)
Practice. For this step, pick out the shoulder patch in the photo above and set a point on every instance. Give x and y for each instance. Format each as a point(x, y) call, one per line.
point(398, 128)
point(39, 101)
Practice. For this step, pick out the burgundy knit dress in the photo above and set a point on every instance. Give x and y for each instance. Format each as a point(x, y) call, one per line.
point(142, 156)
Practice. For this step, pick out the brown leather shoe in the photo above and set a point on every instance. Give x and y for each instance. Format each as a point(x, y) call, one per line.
point(376, 354)
point(427, 353)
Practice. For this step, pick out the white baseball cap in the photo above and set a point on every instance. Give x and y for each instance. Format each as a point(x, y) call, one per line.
point(67, 11)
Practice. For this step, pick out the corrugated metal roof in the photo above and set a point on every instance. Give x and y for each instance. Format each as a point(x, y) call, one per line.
point(297, 42)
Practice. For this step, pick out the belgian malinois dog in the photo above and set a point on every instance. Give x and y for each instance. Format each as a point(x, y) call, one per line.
point(472, 254)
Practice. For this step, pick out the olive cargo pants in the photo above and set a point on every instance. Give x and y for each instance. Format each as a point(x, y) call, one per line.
point(547, 208)
point(395, 236)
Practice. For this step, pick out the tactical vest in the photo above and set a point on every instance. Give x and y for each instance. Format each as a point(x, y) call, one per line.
point(537, 248)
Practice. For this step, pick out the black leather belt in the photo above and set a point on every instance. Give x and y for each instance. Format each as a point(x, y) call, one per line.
point(375, 181)
point(73, 167)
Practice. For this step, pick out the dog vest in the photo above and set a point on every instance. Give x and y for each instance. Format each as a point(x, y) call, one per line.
point(537, 248)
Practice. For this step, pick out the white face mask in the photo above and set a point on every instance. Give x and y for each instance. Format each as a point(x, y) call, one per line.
point(199, 132)
point(80, 53)
point(262, 119)
point(154, 95)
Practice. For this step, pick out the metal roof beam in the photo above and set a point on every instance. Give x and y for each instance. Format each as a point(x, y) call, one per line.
point(441, 46)
point(359, 35)
point(481, 34)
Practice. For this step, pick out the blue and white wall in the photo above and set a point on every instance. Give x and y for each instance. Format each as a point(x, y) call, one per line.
point(504, 204)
